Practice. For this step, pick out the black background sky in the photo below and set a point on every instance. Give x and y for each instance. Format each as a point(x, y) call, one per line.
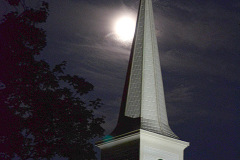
point(199, 46)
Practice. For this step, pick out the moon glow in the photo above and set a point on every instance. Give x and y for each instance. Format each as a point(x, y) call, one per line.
point(125, 28)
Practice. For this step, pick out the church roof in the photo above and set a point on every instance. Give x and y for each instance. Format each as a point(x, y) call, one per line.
point(143, 102)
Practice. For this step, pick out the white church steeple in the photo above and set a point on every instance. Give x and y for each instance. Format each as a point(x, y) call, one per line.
point(143, 131)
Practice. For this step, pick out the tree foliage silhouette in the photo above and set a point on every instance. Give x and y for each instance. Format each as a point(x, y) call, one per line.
point(42, 110)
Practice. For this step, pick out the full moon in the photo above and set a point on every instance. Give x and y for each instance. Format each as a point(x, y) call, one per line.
point(125, 28)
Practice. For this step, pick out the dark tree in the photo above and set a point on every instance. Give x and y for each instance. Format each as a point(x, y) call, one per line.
point(42, 110)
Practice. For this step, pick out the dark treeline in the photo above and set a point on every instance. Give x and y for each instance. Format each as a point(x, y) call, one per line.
point(42, 109)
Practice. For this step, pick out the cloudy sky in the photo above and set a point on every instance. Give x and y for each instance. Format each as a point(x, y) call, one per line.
point(199, 46)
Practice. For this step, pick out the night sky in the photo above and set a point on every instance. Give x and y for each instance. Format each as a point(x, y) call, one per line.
point(199, 46)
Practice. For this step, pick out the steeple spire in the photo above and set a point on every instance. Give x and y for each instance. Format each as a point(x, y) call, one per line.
point(142, 131)
point(143, 103)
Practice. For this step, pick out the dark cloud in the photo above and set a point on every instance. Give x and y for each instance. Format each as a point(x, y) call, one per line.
point(205, 25)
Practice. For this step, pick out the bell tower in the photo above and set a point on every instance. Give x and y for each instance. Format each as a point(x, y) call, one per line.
point(142, 131)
